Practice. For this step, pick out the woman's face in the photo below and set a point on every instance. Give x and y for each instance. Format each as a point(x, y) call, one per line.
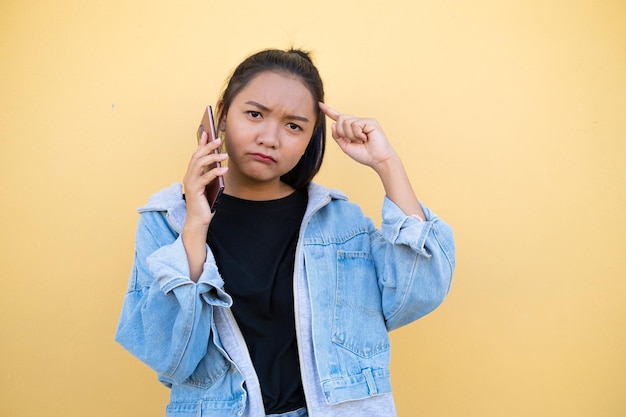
point(267, 129)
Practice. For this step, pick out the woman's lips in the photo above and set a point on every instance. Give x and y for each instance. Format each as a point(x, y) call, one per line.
point(263, 158)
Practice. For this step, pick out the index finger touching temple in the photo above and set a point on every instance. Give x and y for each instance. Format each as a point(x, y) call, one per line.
point(333, 114)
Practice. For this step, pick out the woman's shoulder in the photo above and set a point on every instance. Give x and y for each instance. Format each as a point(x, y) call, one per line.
point(165, 206)
point(164, 199)
point(321, 194)
point(334, 205)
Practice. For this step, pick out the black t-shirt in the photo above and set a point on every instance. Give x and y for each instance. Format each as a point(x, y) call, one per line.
point(254, 243)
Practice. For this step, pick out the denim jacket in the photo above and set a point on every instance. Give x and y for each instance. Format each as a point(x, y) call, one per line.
point(352, 285)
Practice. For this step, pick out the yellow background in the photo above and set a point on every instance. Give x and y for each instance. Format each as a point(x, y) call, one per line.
point(510, 117)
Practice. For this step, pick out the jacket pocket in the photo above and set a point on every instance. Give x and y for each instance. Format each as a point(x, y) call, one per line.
point(358, 322)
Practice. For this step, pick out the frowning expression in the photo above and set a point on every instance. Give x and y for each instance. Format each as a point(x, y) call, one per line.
point(268, 127)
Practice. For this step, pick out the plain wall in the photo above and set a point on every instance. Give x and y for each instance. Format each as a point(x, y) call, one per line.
point(510, 117)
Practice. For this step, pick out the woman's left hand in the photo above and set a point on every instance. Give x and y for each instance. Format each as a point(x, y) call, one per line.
point(362, 139)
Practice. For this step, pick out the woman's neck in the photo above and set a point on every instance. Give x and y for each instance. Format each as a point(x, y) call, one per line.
point(254, 190)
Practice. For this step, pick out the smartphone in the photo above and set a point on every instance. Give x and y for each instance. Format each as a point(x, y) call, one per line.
point(214, 189)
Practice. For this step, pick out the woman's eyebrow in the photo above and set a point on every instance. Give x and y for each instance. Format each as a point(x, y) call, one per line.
point(267, 109)
point(258, 105)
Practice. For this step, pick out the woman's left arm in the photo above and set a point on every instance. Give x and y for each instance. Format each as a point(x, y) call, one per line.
point(363, 140)
point(415, 259)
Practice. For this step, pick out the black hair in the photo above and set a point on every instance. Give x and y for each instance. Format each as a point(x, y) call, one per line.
point(293, 62)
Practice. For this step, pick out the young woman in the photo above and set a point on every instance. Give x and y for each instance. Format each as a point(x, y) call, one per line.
point(280, 302)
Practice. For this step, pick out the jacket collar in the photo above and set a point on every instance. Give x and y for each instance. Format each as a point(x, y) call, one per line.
point(171, 201)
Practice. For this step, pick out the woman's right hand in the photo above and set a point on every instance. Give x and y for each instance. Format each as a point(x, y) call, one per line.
point(197, 177)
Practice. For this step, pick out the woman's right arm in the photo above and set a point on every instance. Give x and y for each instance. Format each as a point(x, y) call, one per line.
point(198, 211)
point(166, 318)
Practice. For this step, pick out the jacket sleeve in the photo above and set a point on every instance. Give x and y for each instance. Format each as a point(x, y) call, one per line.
point(166, 318)
point(415, 260)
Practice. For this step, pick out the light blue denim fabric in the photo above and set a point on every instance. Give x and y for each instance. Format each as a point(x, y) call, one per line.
point(349, 277)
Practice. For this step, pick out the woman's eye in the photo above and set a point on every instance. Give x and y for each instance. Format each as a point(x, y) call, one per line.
point(293, 126)
point(254, 114)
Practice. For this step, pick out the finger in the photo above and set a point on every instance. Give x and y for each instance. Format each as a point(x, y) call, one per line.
point(333, 130)
point(203, 138)
point(203, 157)
point(350, 128)
point(343, 125)
point(209, 147)
point(210, 161)
point(358, 130)
point(211, 174)
point(333, 114)
point(215, 144)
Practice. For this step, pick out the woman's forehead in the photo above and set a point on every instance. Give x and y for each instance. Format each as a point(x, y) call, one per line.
point(277, 90)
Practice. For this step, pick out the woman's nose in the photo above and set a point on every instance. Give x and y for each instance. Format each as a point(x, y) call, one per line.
point(268, 135)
